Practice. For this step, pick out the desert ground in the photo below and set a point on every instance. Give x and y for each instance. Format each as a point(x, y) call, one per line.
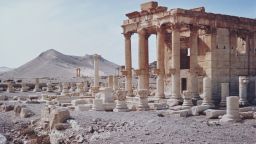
point(151, 127)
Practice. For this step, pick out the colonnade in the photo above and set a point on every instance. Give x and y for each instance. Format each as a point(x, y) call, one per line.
point(143, 61)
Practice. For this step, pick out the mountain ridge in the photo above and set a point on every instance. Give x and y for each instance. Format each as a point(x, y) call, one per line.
point(54, 64)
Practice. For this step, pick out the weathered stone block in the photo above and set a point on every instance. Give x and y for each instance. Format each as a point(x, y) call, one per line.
point(58, 115)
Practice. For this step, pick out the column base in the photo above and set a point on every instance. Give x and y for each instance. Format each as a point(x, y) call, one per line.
point(211, 105)
point(160, 96)
point(187, 103)
point(174, 102)
point(229, 118)
point(143, 105)
point(196, 97)
point(130, 94)
point(121, 107)
point(243, 102)
point(223, 103)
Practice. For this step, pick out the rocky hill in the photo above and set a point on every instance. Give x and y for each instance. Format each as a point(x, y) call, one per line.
point(54, 64)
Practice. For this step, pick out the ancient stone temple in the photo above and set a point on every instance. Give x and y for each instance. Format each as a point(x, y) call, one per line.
point(191, 44)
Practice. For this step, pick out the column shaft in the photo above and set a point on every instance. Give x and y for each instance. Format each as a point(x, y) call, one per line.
point(160, 63)
point(193, 80)
point(176, 64)
point(143, 61)
point(128, 64)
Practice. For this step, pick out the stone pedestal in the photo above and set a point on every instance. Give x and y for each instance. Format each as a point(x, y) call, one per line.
point(49, 87)
point(98, 105)
point(37, 88)
point(80, 88)
point(60, 87)
point(224, 93)
point(65, 89)
point(72, 88)
point(121, 105)
point(108, 99)
point(143, 100)
point(243, 86)
point(232, 114)
point(207, 92)
point(187, 100)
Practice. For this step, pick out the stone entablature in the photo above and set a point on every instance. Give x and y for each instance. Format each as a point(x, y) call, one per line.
point(158, 16)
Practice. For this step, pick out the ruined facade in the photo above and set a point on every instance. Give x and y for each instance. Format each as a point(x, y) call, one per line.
point(191, 44)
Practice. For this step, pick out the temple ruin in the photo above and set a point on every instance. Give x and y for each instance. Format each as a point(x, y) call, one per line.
point(191, 44)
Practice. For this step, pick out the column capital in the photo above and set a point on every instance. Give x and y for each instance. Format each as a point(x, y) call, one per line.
point(175, 26)
point(127, 35)
point(160, 29)
point(143, 32)
point(193, 28)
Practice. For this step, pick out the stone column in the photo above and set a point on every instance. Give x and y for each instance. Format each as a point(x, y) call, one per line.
point(115, 83)
point(96, 70)
point(232, 114)
point(121, 105)
point(143, 60)
point(187, 100)
point(175, 63)
point(60, 87)
point(207, 92)
point(37, 89)
point(224, 93)
point(110, 81)
point(193, 80)
point(78, 72)
point(143, 100)
point(243, 86)
point(10, 88)
point(128, 64)
point(160, 63)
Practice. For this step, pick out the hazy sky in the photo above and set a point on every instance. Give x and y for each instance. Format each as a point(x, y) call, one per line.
point(79, 27)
